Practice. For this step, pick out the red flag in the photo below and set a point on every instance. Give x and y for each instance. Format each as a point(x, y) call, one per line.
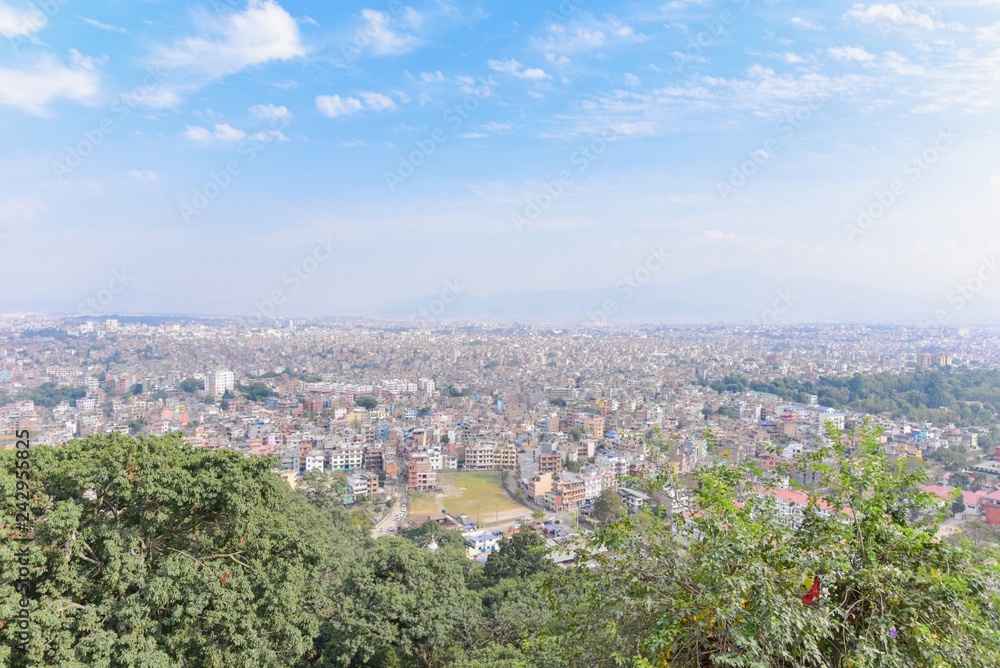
point(813, 593)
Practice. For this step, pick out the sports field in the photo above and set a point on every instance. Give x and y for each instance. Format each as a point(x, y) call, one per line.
point(479, 495)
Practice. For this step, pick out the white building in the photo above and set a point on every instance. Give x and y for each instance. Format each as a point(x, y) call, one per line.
point(219, 381)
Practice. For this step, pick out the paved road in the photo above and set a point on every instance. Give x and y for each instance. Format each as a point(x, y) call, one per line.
point(389, 522)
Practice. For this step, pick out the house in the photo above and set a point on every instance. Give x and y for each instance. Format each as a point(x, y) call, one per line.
point(634, 499)
point(991, 507)
point(481, 542)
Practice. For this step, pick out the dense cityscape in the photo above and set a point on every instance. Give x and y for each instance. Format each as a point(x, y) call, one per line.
point(568, 413)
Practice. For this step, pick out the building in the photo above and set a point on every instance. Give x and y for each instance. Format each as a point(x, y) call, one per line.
point(419, 474)
point(219, 381)
point(634, 499)
point(481, 542)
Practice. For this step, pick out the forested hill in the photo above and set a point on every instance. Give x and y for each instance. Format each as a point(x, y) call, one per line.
point(963, 396)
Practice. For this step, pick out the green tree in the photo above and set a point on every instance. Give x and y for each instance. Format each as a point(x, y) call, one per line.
point(725, 585)
point(608, 507)
point(324, 489)
point(366, 402)
point(149, 552)
point(400, 605)
point(192, 385)
point(519, 556)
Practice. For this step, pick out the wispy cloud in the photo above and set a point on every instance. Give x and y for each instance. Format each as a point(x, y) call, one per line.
point(33, 88)
point(586, 33)
point(21, 22)
point(264, 32)
point(222, 132)
point(515, 68)
point(383, 39)
point(103, 26)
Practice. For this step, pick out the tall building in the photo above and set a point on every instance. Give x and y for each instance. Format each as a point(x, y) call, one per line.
point(220, 381)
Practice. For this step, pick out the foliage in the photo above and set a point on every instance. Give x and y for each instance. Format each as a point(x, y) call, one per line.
point(256, 391)
point(149, 552)
point(399, 605)
point(50, 395)
point(519, 556)
point(962, 395)
point(724, 586)
point(192, 385)
point(608, 507)
point(366, 402)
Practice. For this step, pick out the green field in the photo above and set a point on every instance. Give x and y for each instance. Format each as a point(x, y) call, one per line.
point(483, 494)
point(479, 495)
point(422, 503)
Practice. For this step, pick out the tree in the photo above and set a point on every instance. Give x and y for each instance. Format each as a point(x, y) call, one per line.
point(728, 584)
point(256, 391)
point(150, 552)
point(522, 555)
point(192, 385)
point(399, 605)
point(608, 507)
point(325, 490)
point(575, 433)
point(367, 403)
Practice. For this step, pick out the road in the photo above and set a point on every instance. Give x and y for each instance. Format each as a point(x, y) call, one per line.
point(389, 521)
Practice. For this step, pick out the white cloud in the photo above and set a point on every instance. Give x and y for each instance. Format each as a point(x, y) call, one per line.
point(334, 105)
point(586, 33)
point(271, 112)
point(33, 88)
point(269, 135)
point(383, 40)
point(851, 54)
point(891, 14)
point(432, 77)
point(497, 128)
point(25, 22)
point(262, 33)
point(805, 23)
point(377, 101)
point(103, 26)
point(632, 80)
point(223, 132)
point(145, 175)
point(515, 68)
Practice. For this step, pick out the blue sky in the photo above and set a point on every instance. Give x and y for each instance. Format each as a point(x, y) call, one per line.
point(557, 144)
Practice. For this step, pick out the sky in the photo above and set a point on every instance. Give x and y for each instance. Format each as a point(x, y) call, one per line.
point(321, 158)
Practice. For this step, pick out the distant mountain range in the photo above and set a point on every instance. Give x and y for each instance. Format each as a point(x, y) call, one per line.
point(724, 296)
